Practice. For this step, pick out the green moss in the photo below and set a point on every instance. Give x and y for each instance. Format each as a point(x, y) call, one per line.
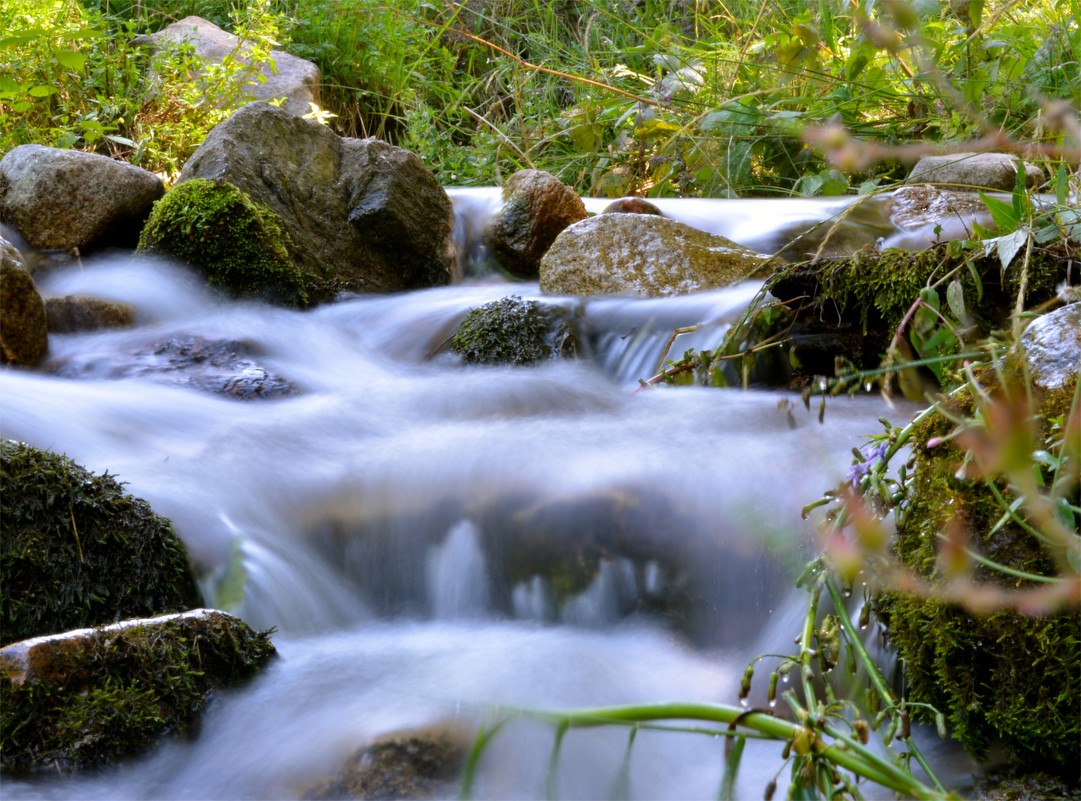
point(237, 243)
point(513, 331)
point(79, 551)
point(1005, 677)
point(113, 693)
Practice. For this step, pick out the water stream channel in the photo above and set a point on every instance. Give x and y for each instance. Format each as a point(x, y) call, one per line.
point(408, 524)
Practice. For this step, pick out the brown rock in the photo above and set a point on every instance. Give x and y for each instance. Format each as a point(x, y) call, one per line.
point(84, 313)
point(23, 332)
point(66, 199)
point(537, 207)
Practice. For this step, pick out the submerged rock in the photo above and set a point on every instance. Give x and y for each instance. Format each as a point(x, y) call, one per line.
point(418, 763)
point(79, 551)
point(84, 313)
point(90, 697)
point(644, 255)
point(360, 215)
point(537, 207)
point(66, 199)
point(283, 76)
point(220, 367)
point(515, 331)
point(24, 337)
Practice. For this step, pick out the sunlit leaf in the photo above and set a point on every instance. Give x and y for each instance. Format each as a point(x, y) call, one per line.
point(70, 59)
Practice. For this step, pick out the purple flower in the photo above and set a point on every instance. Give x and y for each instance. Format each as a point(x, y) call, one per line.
point(872, 453)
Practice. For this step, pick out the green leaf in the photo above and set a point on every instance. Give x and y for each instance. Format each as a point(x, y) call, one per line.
point(955, 299)
point(9, 87)
point(1006, 246)
point(731, 770)
point(1004, 214)
point(70, 59)
point(41, 90)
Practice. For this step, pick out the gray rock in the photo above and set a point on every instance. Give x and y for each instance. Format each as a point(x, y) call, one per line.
point(974, 171)
point(644, 255)
point(1052, 345)
point(23, 333)
point(85, 313)
point(362, 215)
point(290, 77)
point(67, 199)
point(537, 207)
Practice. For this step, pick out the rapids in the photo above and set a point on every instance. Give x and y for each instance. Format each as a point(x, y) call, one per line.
point(375, 518)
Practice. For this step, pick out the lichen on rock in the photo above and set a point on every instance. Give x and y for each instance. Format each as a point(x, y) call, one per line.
point(237, 243)
point(79, 551)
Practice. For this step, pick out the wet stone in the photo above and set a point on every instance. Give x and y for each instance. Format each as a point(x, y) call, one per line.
point(220, 367)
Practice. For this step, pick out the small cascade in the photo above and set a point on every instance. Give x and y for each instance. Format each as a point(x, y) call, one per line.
point(457, 576)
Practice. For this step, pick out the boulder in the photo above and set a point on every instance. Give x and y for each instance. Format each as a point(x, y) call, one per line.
point(285, 76)
point(361, 215)
point(644, 255)
point(514, 331)
point(23, 331)
point(974, 171)
point(85, 313)
point(89, 697)
point(79, 551)
point(412, 764)
point(1052, 345)
point(537, 207)
point(632, 205)
point(66, 199)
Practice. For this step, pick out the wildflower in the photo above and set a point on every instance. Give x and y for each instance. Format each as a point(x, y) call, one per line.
point(869, 455)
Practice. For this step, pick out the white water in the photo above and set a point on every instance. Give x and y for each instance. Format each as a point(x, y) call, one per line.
point(375, 514)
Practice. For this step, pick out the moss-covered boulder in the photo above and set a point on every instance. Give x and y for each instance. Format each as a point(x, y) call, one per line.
point(89, 697)
point(237, 243)
point(1002, 677)
point(77, 550)
point(514, 331)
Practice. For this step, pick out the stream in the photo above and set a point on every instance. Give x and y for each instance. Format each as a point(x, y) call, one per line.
point(435, 543)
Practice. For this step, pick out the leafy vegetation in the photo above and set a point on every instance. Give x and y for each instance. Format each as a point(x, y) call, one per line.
point(655, 97)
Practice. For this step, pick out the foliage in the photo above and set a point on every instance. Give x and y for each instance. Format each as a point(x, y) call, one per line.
point(79, 551)
point(236, 242)
point(513, 331)
point(73, 76)
point(113, 693)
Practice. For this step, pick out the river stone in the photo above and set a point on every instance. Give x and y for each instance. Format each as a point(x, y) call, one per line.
point(1052, 345)
point(66, 199)
point(416, 763)
point(644, 255)
point(632, 205)
point(362, 215)
point(85, 313)
point(287, 76)
point(91, 696)
point(23, 328)
point(537, 207)
point(974, 171)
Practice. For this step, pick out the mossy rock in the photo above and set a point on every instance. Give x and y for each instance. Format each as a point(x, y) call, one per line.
point(1003, 678)
point(87, 698)
point(851, 307)
point(514, 331)
point(79, 551)
point(237, 243)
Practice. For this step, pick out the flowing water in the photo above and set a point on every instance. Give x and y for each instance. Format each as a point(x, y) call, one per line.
point(436, 542)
